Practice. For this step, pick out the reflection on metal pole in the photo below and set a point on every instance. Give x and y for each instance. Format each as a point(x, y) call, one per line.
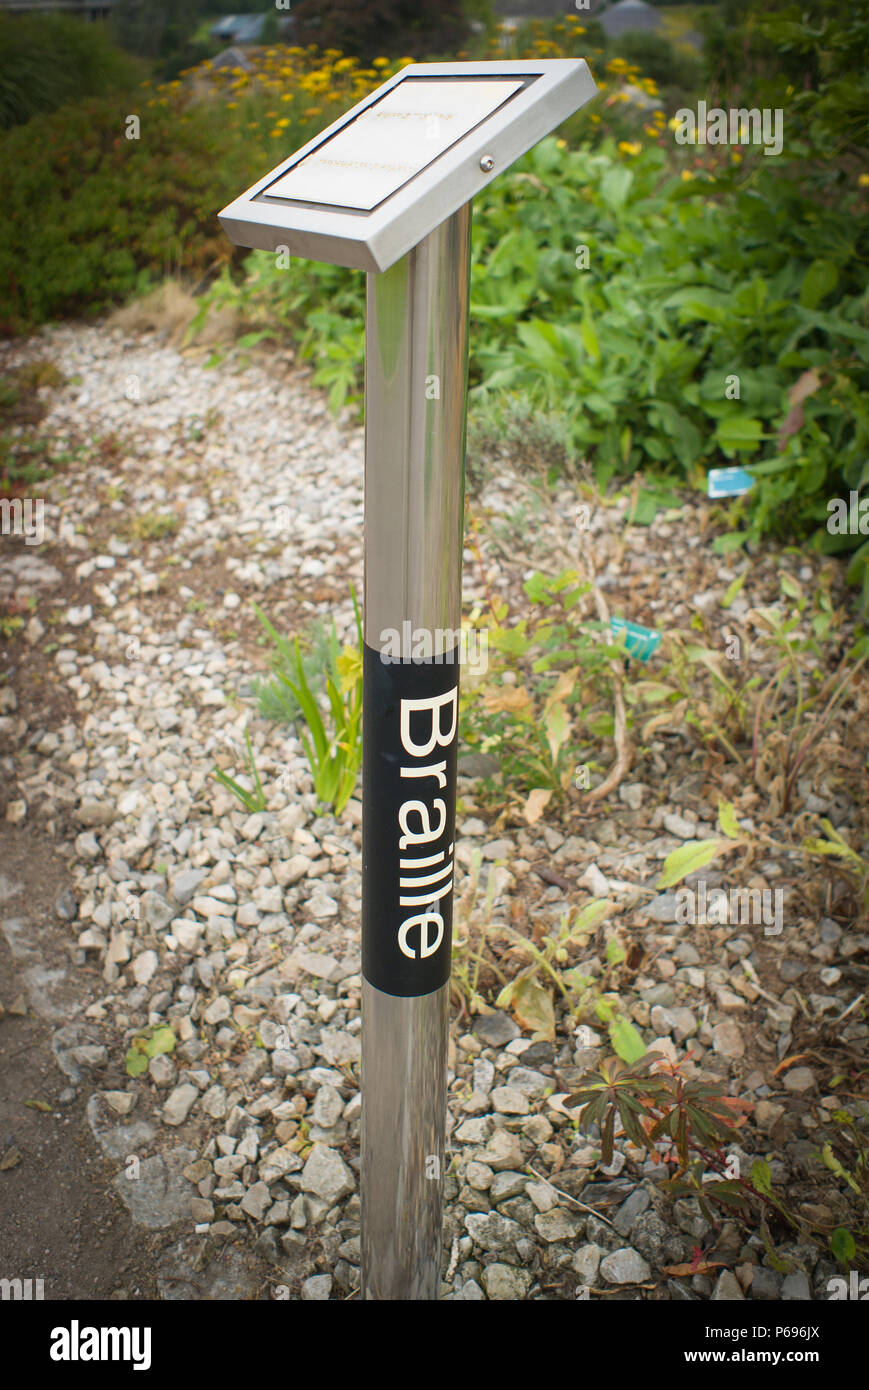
point(416, 364)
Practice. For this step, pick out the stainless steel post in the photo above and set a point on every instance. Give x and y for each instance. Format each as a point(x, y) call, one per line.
point(416, 358)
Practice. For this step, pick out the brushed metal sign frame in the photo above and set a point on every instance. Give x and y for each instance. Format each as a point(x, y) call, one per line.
point(374, 240)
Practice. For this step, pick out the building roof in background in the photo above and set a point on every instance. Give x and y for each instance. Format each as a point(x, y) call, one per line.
point(628, 16)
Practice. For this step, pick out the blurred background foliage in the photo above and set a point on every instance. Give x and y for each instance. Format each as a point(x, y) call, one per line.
point(704, 262)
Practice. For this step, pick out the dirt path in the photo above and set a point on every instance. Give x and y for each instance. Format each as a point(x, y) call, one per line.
point(61, 1222)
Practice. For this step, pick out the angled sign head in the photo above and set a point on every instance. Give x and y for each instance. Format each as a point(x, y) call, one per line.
point(364, 191)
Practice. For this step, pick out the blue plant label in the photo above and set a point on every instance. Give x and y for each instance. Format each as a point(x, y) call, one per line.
point(640, 642)
point(729, 482)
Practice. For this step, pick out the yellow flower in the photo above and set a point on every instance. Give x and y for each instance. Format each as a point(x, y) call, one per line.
point(651, 130)
point(561, 144)
point(687, 176)
point(673, 124)
point(381, 63)
point(863, 181)
point(630, 146)
point(231, 105)
point(736, 157)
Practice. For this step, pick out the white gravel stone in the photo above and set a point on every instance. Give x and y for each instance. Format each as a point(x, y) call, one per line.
point(326, 1175)
point(179, 1103)
point(624, 1266)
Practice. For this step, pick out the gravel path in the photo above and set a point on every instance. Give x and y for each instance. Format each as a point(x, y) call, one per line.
point(240, 932)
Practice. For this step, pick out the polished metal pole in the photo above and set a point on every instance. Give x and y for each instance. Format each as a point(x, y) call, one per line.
point(416, 363)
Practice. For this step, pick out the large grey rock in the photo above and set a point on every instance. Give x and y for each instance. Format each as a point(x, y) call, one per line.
point(628, 1212)
point(533, 1084)
point(765, 1284)
point(117, 1140)
point(506, 1100)
point(505, 1281)
point(326, 1175)
point(586, 1262)
point(624, 1266)
point(317, 1288)
point(154, 1191)
point(796, 1287)
point(92, 813)
point(338, 1047)
point(179, 1103)
point(256, 1201)
point(155, 912)
point(727, 1040)
point(558, 1224)
point(728, 1289)
point(800, 1079)
point(503, 1150)
point(496, 1029)
point(231, 1276)
point(506, 1185)
point(662, 908)
point(186, 884)
point(328, 1107)
point(492, 1231)
point(655, 1240)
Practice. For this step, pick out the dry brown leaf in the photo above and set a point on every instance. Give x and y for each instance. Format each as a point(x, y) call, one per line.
point(805, 385)
point(533, 1009)
point(536, 804)
point(685, 1271)
point(512, 698)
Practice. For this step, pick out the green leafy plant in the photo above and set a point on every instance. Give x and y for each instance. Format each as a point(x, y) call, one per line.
point(251, 800)
point(532, 726)
point(832, 844)
point(582, 993)
point(334, 753)
point(321, 653)
point(771, 728)
point(153, 1042)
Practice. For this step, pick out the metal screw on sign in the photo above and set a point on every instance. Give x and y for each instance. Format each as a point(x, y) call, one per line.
point(387, 188)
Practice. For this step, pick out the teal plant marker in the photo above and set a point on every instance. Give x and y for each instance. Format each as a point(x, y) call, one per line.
point(640, 642)
point(729, 482)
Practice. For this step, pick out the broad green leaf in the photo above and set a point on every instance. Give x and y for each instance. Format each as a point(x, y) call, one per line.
point(591, 915)
point(733, 589)
point(615, 951)
point(685, 860)
point(557, 728)
point(843, 1245)
point(626, 1040)
point(739, 434)
point(819, 280)
point(727, 820)
point(136, 1062)
point(161, 1040)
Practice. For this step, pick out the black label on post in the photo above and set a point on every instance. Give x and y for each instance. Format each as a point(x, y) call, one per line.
point(410, 720)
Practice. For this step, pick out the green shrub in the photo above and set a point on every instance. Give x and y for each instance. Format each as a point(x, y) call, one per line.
point(676, 71)
point(47, 60)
